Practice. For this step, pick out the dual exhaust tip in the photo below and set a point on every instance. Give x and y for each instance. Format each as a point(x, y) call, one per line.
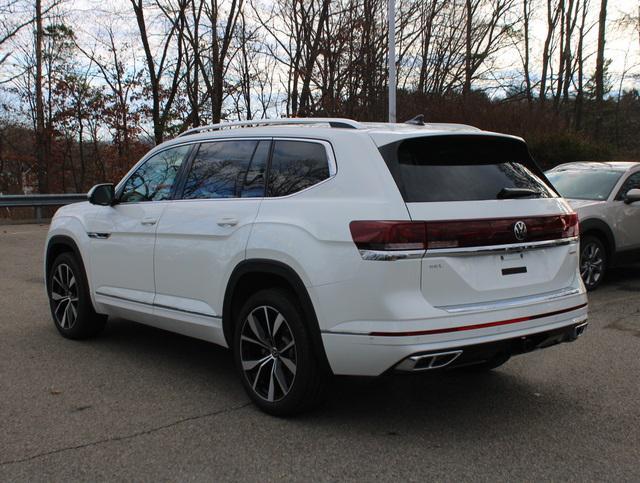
point(439, 360)
point(426, 362)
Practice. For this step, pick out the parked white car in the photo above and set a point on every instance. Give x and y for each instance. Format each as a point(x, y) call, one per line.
point(606, 196)
point(312, 247)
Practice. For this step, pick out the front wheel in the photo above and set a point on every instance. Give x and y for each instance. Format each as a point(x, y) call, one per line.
point(593, 261)
point(69, 300)
point(274, 355)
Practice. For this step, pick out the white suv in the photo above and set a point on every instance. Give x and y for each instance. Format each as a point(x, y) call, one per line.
point(319, 246)
point(606, 197)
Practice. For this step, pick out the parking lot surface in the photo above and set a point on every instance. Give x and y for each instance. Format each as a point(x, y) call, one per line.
point(142, 404)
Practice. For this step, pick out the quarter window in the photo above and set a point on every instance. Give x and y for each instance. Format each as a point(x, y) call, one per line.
point(153, 180)
point(227, 169)
point(296, 165)
point(632, 182)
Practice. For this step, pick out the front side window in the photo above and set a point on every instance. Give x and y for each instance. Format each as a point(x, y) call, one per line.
point(153, 180)
point(296, 165)
point(227, 169)
point(632, 182)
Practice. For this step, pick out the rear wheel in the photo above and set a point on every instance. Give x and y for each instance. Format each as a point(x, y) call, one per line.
point(69, 300)
point(274, 355)
point(593, 261)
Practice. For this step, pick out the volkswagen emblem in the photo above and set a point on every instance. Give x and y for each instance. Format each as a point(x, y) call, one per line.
point(520, 230)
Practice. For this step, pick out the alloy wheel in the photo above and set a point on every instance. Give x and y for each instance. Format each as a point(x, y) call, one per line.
point(268, 353)
point(64, 295)
point(591, 264)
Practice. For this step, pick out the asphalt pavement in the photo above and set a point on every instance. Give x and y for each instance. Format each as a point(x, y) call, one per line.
point(142, 404)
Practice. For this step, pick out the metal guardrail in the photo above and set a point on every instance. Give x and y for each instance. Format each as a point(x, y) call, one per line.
point(40, 201)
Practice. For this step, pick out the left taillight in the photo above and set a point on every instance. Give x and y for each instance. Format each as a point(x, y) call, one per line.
point(389, 235)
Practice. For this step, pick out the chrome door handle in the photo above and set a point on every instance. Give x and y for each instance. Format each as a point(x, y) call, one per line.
point(227, 222)
point(149, 221)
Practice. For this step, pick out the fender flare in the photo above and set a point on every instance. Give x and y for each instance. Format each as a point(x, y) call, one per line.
point(282, 270)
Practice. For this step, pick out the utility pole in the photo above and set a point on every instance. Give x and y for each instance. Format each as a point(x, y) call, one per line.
point(391, 17)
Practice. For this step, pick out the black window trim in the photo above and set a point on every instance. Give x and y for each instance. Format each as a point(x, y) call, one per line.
point(178, 188)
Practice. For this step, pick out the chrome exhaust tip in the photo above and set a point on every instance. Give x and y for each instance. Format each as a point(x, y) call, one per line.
point(427, 362)
point(579, 329)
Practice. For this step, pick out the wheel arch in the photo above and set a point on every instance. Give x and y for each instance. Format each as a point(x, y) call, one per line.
point(57, 245)
point(600, 229)
point(254, 274)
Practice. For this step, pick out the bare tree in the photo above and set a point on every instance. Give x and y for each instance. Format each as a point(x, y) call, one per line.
point(162, 96)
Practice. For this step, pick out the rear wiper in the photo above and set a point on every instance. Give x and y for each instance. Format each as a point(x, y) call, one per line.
point(505, 193)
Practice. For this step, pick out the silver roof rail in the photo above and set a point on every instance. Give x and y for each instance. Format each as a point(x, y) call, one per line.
point(331, 121)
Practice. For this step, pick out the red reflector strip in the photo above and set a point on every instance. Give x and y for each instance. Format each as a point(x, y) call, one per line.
point(475, 326)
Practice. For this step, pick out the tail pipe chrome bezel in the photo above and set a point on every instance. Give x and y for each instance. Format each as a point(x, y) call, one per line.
point(579, 329)
point(428, 361)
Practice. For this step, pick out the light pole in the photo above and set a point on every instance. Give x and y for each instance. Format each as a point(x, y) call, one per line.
point(391, 18)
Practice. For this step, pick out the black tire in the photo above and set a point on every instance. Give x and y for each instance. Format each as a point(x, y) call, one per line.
point(489, 365)
point(69, 299)
point(593, 261)
point(266, 348)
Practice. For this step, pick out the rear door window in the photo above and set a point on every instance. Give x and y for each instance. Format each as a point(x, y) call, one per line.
point(464, 168)
point(296, 165)
point(227, 169)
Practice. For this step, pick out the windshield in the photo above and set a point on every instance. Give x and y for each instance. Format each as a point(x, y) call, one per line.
point(584, 184)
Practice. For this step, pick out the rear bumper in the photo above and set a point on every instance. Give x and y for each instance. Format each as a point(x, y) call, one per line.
point(371, 355)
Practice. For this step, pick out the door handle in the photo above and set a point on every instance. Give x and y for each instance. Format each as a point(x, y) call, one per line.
point(227, 222)
point(149, 221)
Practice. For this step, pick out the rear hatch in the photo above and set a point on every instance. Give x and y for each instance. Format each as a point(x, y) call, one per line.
point(495, 229)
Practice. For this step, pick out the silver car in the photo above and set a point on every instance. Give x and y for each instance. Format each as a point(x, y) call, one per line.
point(606, 196)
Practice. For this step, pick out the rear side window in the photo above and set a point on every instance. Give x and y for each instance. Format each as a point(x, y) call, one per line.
point(296, 165)
point(464, 168)
point(227, 169)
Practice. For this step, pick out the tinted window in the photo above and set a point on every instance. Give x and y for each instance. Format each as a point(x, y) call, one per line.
point(463, 168)
point(632, 182)
point(296, 165)
point(227, 169)
point(584, 184)
point(153, 181)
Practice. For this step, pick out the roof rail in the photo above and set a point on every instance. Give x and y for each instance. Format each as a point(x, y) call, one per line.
point(331, 121)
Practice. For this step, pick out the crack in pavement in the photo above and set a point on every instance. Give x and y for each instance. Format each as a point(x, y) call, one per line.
point(127, 436)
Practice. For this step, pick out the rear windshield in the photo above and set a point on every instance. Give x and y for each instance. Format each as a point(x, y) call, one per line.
point(464, 168)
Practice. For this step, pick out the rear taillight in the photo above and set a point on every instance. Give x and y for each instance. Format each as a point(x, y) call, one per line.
point(433, 235)
point(388, 235)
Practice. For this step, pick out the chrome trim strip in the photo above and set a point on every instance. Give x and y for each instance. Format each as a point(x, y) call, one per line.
point(391, 255)
point(515, 302)
point(513, 247)
point(166, 307)
point(97, 235)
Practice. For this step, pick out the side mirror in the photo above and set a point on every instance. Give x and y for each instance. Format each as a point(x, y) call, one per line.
point(102, 194)
point(632, 196)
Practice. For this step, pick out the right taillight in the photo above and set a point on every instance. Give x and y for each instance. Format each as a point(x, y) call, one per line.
point(449, 234)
